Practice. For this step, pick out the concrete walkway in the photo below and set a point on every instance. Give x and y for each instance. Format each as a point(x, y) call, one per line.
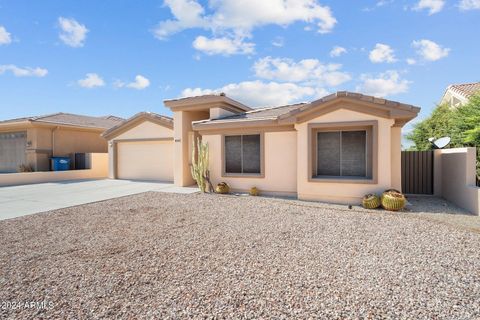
point(28, 199)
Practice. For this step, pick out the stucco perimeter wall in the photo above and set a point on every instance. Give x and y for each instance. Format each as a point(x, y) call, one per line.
point(342, 192)
point(454, 177)
point(280, 164)
point(47, 141)
point(99, 170)
point(145, 130)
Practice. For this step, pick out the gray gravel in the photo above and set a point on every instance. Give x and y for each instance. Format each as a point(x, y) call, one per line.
point(158, 255)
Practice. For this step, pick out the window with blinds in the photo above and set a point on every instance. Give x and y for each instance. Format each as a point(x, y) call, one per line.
point(242, 154)
point(342, 154)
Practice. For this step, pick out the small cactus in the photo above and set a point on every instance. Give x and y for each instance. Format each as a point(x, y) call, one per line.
point(254, 191)
point(199, 166)
point(222, 188)
point(371, 201)
point(393, 200)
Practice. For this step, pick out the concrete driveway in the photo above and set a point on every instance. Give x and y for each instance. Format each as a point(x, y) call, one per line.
point(28, 199)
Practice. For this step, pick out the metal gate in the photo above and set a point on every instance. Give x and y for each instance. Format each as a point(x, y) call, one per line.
point(417, 172)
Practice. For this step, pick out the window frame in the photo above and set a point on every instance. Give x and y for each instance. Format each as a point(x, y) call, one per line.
point(262, 156)
point(371, 128)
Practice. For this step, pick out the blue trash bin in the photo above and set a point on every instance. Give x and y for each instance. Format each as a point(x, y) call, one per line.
point(60, 163)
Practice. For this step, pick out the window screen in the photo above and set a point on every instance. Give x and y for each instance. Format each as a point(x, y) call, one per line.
point(242, 154)
point(342, 153)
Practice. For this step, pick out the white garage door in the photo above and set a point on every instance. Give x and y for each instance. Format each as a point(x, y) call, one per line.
point(12, 150)
point(145, 160)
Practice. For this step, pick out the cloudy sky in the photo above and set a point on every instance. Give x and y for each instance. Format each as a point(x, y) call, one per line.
point(121, 57)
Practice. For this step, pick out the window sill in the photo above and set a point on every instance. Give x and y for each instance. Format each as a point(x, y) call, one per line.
point(343, 180)
point(243, 175)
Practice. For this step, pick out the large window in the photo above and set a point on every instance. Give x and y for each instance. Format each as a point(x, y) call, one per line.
point(242, 154)
point(343, 154)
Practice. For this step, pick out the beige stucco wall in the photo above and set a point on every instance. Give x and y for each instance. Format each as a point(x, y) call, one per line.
point(67, 141)
point(396, 157)
point(45, 141)
point(216, 113)
point(454, 177)
point(99, 170)
point(183, 139)
point(280, 164)
point(349, 193)
point(144, 130)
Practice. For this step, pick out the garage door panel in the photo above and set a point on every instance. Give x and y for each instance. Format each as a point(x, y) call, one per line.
point(145, 160)
point(12, 151)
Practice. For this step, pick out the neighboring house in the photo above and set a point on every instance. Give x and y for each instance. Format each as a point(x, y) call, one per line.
point(33, 140)
point(458, 94)
point(336, 149)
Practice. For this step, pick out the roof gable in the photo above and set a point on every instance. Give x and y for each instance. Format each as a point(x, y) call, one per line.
point(291, 114)
point(355, 102)
point(137, 120)
point(206, 102)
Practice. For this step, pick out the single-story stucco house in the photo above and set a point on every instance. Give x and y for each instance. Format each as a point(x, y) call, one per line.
point(33, 141)
point(334, 149)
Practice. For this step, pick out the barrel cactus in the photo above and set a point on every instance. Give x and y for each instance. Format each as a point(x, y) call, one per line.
point(371, 201)
point(222, 188)
point(254, 191)
point(393, 200)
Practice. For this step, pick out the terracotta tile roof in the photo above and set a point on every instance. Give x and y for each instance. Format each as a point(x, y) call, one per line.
point(261, 113)
point(274, 113)
point(70, 119)
point(466, 89)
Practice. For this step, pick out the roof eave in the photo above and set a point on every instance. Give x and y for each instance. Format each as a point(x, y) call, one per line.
point(139, 117)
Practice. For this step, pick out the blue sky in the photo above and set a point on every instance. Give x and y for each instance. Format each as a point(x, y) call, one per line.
point(120, 57)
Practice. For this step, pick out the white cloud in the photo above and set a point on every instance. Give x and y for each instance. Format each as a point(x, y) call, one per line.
point(433, 6)
point(140, 83)
point(337, 51)
point(23, 72)
point(411, 61)
point(91, 80)
point(224, 46)
point(188, 14)
point(469, 5)
point(307, 70)
point(278, 42)
point(384, 84)
point(430, 50)
point(258, 93)
point(73, 34)
point(237, 19)
point(5, 37)
point(382, 53)
point(378, 4)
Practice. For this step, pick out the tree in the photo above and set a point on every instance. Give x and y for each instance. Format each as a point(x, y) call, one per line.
point(439, 124)
point(461, 124)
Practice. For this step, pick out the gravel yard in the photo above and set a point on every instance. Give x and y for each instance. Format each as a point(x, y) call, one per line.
point(158, 255)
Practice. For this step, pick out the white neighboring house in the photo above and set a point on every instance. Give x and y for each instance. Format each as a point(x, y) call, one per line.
point(458, 94)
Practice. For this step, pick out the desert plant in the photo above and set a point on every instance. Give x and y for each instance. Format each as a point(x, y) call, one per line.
point(199, 166)
point(371, 201)
point(25, 168)
point(222, 188)
point(254, 191)
point(393, 200)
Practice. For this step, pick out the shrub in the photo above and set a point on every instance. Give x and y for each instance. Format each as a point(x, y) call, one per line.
point(25, 168)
